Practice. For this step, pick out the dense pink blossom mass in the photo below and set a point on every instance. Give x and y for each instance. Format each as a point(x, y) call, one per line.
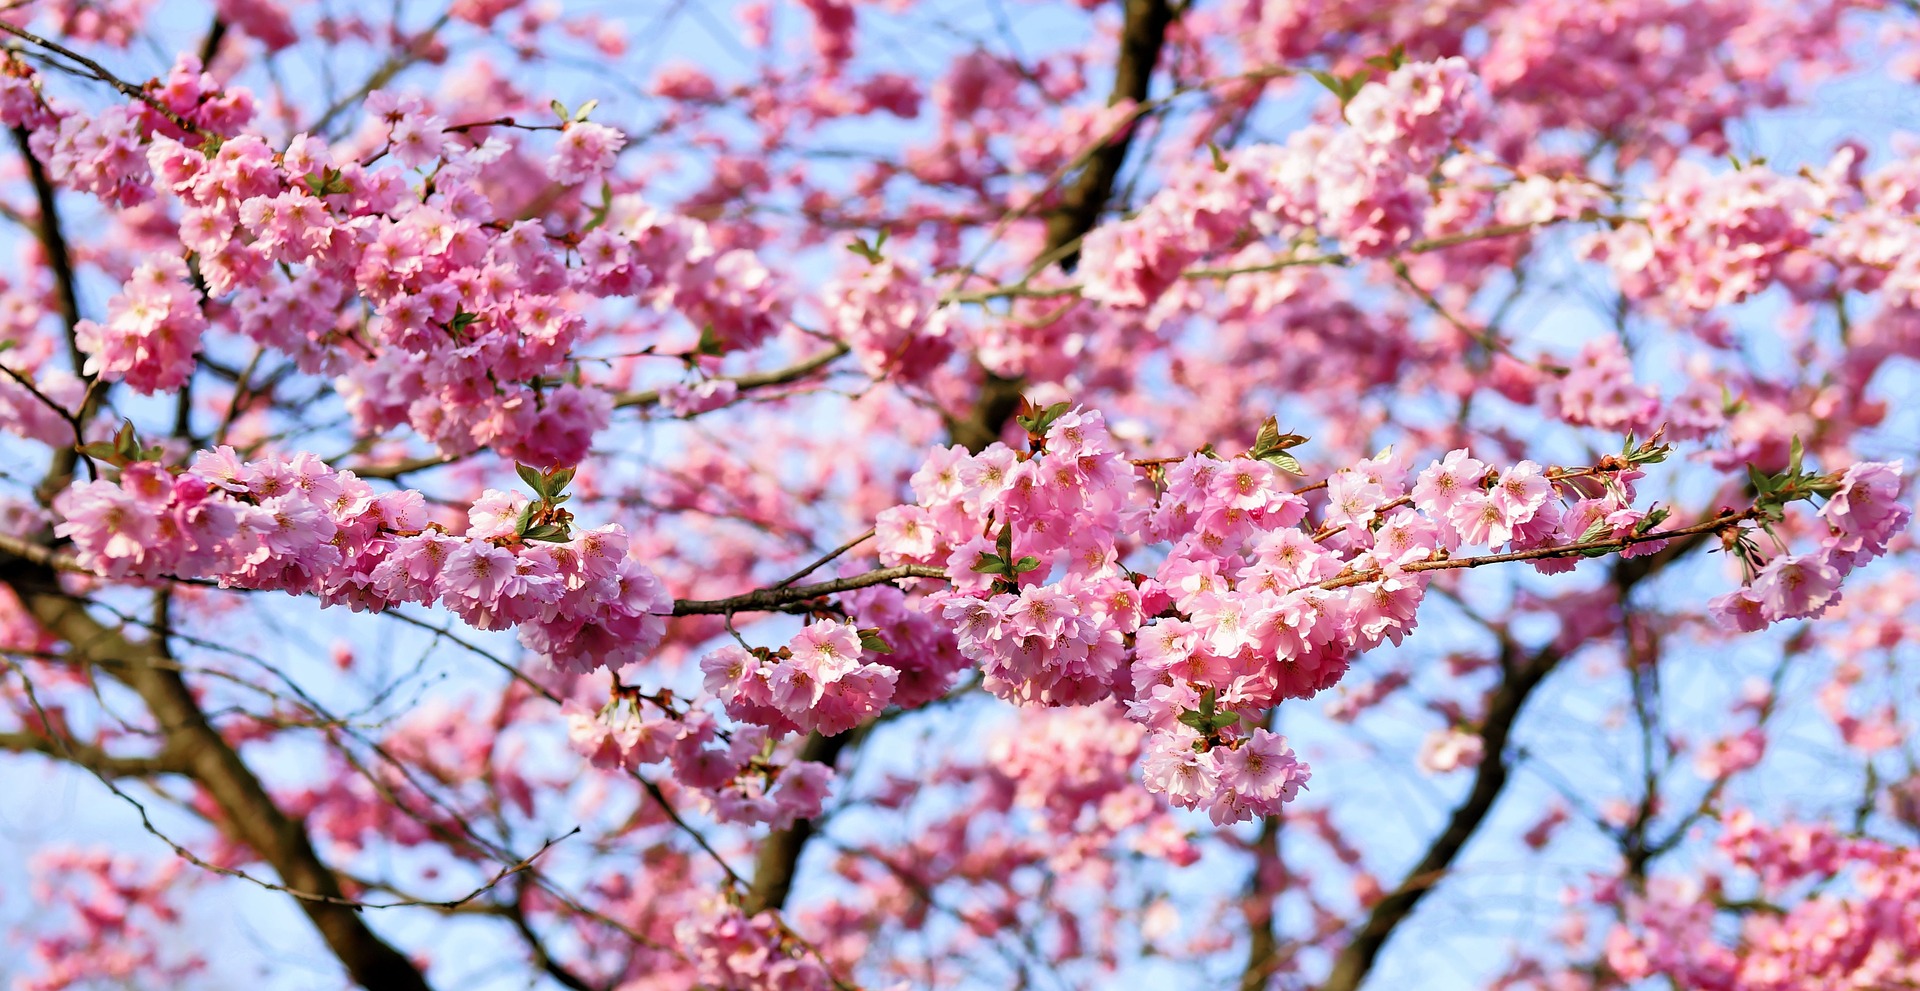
point(815, 495)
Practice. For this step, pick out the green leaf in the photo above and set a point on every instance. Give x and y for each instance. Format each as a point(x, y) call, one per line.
point(1269, 436)
point(991, 564)
point(1270, 439)
point(560, 110)
point(600, 212)
point(585, 109)
point(1025, 564)
point(1004, 542)
point(1207, 700)
point(1284, 461)
point(551, 532)
point(1038, 423)
point(533, 478)
point(1332, 82)
point(1222, 720)
point(126, 445)
point(557, 481)
point(526, 519)
point(709, 342)
point(1650, 454)
point(1219, 160)
point(870, 640)
point(1194, 719)
point(1794, 453)
point(1394, 59)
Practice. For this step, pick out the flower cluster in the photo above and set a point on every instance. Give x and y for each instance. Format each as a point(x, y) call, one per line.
point(1364, 185)
point(1862, 513)
point(733, 951)
point(1073, 770)
point(104, 152)
point(151, 339)
point(300, 526)
point(1248, 606)
point(1712, 238)
point(586, 150)
point(892, 319)
point(820, 682)
point(115, 922)
point(1705, 239)
point(1869, 938)
point(474, 323)
point(732, 773)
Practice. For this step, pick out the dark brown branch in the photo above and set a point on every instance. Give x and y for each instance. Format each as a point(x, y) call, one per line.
point(753, 380)
point(1356, 959)
point(247, 812)
point(90, 756)
point(1521, 677)
point(778, 858)
point(99, 72)
point(1263, 943)
point(53, 240)
point(210, 47)
point(1142, 36)
point(769, 599)
point(516, 913)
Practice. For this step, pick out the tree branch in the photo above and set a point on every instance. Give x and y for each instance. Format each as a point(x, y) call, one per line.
point(1356, 959)
point(778, 858)
point(90, 756)
point(768, 599)
point(753, 380)
point(53, 240)
point(248, 812)
point(1142, 35)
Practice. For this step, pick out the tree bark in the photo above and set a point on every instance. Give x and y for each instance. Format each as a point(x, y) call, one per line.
point(248, 813)
point(1142, 36)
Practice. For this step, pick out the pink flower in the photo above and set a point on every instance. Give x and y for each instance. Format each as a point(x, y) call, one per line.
point(1865, 513)
point(1444, 482)
point(906, 534)
point(1173, 769)
point(1797, 586)
point(1479, 520)
point(478, 570)
point(585, 150)
point(892, 318)
point(494, 514)
point(417, 139)
point(1520, 492)
point(1262, 769)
